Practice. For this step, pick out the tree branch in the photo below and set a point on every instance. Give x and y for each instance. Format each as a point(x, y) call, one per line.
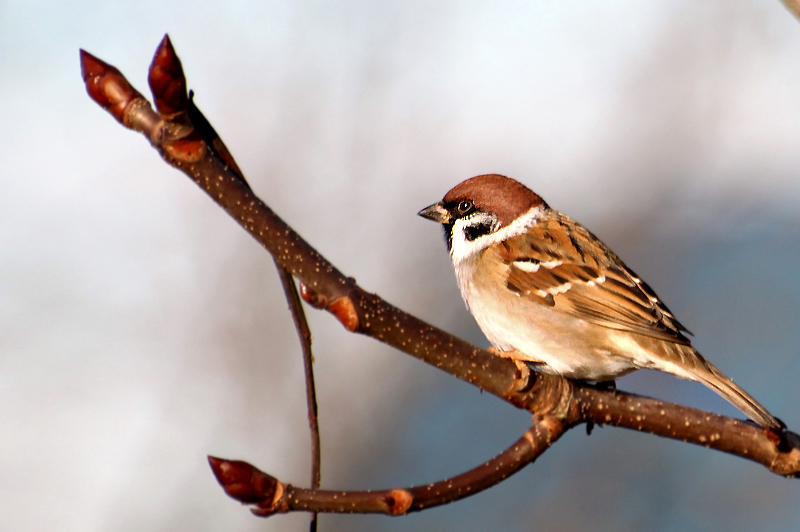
point(780, 453)
point(180, 134)
point(249, 485)
point(304, 333)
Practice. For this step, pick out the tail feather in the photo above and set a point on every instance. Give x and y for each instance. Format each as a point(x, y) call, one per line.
point(707, 374)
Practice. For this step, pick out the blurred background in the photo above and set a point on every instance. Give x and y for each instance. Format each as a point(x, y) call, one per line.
point(141, 329)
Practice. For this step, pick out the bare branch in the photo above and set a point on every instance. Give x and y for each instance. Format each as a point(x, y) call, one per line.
point(778, 452)
point(249, 485)
point(357, 310)
point(304, 333)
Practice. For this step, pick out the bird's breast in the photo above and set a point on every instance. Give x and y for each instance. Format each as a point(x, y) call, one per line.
point(560, 343)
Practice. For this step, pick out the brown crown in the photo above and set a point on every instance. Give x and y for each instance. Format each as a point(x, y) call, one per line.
point(495, 193)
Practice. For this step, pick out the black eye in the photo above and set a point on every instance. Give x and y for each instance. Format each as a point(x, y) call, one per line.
point(464, 207)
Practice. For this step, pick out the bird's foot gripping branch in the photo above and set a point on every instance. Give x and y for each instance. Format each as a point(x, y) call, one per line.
point(186, 141)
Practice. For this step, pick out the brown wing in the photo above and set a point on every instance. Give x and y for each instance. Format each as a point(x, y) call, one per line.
point(559, 263)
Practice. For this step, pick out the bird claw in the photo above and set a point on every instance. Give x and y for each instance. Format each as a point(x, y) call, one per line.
point(522, 377)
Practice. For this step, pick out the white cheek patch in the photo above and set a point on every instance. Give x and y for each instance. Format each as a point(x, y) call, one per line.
point(462, 248)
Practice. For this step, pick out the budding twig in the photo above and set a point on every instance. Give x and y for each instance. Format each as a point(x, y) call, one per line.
point(268, 495)
point(304, 333)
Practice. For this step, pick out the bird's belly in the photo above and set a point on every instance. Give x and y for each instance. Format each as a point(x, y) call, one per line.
point(558, 343)
point(566, 352)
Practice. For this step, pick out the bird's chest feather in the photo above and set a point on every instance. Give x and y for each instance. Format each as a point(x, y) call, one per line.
point(560, 343)
point(501, 315)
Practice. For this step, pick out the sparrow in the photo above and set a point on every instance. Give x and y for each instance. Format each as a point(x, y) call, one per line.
point(546, 292)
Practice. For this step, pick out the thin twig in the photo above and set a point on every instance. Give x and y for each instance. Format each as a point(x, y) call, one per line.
point(268, 495)
point(304, 334)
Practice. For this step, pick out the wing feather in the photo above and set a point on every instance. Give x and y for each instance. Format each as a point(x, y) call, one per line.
point(559, 263)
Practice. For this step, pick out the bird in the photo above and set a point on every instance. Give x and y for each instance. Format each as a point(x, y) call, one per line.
point(548, 294)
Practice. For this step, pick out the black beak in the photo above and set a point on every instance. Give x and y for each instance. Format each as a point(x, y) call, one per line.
point(437, 213)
